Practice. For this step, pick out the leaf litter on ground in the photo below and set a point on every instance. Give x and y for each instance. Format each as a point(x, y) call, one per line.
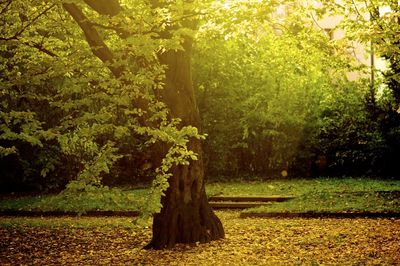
point(252, 241)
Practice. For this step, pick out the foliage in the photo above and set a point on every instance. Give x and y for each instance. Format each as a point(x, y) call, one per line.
point(94, 118)
point(274, 96)
point(347, 136)
point(178, 154)
point(375, 24)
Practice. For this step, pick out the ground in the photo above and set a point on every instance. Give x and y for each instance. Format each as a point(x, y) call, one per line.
point(252, 241)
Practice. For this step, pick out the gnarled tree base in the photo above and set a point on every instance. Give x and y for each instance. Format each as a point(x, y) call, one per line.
point(185, 223)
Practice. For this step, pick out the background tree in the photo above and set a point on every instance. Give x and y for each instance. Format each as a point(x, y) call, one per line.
point(376, 25)
point(274, 95)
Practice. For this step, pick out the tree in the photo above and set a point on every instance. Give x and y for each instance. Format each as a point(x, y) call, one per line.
point(136, 83)
point(268, 87)
point(376, 25)
point(186, 216)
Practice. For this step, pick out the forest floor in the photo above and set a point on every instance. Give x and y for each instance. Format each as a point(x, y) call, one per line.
point(251, 241)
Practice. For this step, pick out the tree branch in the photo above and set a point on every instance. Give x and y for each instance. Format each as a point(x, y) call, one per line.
point(358, 11)
point(109, 8)
point(97, 45)
point(34, 19)
point(316, 23)
point(119, 30)
point(41, 48)
point(4, 9)
point(33, 45)
point(105, 7)
point(8, 38)
point(18, 33)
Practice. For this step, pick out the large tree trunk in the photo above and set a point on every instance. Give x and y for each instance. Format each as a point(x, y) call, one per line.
point(186, 216)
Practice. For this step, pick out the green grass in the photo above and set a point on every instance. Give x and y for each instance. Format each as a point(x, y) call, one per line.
point(67, 222)
point(298, 187)
point(336, 202)
point(329, 195)
point(322, 194)
point(114, 200)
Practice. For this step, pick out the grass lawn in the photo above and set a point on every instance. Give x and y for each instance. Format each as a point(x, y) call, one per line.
point(315, 195)
point(114, 200)
point(319, 195)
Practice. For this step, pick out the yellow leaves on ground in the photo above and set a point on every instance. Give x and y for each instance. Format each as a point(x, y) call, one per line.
point(247, 242)
point(290, 241)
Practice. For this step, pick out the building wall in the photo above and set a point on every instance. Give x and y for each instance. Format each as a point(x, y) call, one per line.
point(360, 52)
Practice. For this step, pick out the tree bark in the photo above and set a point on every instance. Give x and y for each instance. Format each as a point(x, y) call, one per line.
point(186, 216)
